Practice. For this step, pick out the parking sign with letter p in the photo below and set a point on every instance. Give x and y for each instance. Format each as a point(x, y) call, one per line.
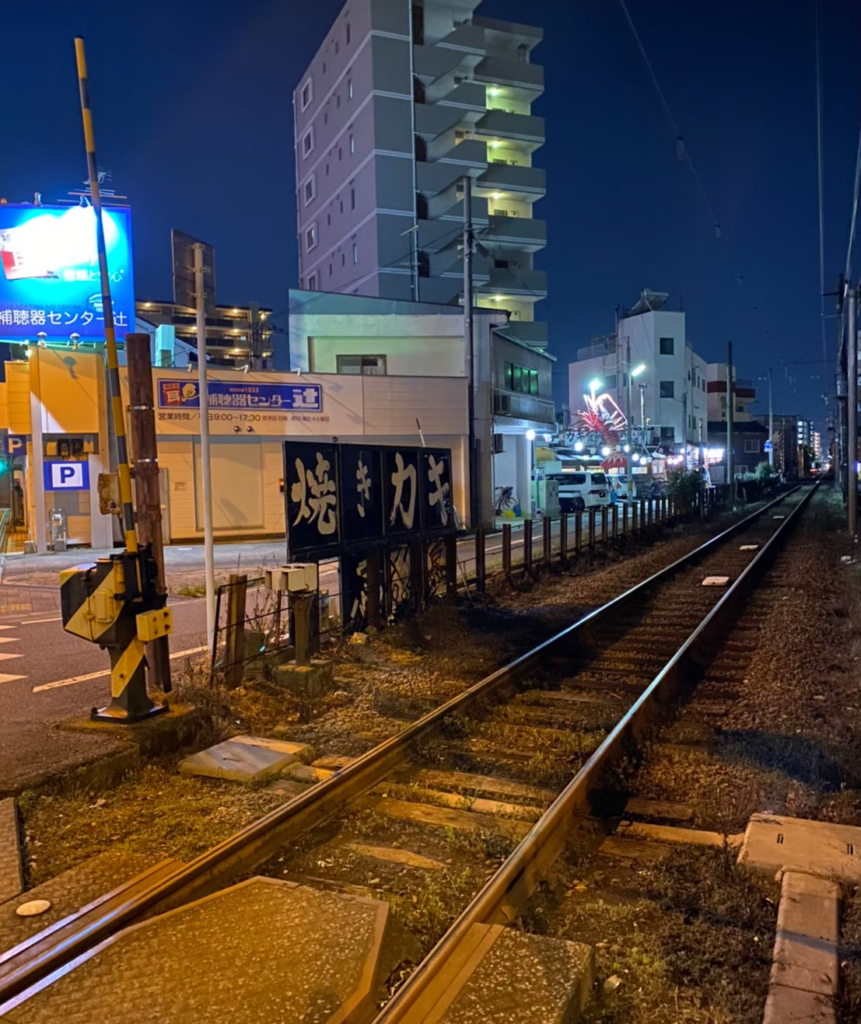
point(66, 476)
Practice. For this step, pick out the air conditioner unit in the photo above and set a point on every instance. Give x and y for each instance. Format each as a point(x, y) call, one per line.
point(498, 444)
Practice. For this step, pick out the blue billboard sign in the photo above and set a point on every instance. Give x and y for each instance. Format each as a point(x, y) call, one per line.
point(49, 271)
point(222, 394)
point(66, 476)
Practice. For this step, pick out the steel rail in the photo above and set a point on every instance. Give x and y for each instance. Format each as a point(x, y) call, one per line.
point(505, 892)
point(43, 955)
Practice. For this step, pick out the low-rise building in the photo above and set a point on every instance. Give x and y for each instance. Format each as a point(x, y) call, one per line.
point(669, 394)
point(744, 394)
point(748, 448)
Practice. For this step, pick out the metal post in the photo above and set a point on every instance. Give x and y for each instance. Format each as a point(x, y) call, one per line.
point(635, 518)
point(548, 540)
point(730, 477)
point(147, 491)
point(119, 425)
point(480, 561)
point(615, 522)
point(563, 538)
point(469, 337)
point(770, 421)
point(578, 533)
point(651, 514)
point(591, 514)
point(451, 567)
point(206, 466)
point(852, 413)
point(506, 549)
point(527, 545)
point(417, 575)
point(373, 587)
point(625, 520)
point(604, 525)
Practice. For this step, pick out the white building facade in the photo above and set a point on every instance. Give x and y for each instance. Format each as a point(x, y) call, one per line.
point(668, 399)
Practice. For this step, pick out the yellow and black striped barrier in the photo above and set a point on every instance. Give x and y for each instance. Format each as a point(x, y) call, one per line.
point(100, 602)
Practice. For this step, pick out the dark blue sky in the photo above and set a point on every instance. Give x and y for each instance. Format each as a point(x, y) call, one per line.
point(192, 100)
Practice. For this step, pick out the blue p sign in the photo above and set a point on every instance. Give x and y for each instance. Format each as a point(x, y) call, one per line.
point(16, 444)
point(66, 476)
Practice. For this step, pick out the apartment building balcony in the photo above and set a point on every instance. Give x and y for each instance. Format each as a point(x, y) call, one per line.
point(524, 128)
point(433, 177)
point(522, 233)
point(510, 405)
point(433, 119)
point(449, 149)
point(530, 181)
point(448, 262)
point(468, 97)
point(517, 281)
point(513, 73)
point(530, 332)
point(468, 38)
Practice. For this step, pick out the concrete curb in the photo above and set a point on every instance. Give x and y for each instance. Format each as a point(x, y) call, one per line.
point(805, 970)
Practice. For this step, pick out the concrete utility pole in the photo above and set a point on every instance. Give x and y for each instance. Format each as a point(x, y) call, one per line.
point(206, 467)
point(852, 413)
point(469, 339)
point(840, 440)
point(147, 493)
point(770, 421)
point(729, 414)
point(629, 466)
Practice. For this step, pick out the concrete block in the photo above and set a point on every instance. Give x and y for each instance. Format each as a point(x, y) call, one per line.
point(809, 906)
point(793, 1006)
point(261, 951)
point(306, 680)
point(775, 843)
point(11, 873)
point(245, 759)
point(498, 974)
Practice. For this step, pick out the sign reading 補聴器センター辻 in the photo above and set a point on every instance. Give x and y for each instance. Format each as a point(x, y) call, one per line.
point(185, 394)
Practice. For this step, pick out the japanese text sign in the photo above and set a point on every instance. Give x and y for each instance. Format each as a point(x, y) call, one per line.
point(185, 394)
point(49, 271)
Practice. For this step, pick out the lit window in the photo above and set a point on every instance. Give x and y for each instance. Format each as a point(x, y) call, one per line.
point(365, 366)
point(355, 252)
point(349, 88)
point(308, 142)
point(307, 94)
point(352, 144)
point(311, 238)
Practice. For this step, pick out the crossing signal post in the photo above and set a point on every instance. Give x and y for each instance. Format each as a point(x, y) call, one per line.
point(115, 601)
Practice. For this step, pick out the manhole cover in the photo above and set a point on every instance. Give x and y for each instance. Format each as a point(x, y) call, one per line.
point(33, 908)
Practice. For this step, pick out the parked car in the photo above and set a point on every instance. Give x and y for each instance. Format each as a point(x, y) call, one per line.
point(579, 490)
point(621, 487)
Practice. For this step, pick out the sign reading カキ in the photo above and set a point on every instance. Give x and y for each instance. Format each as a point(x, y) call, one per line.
point(342, 497)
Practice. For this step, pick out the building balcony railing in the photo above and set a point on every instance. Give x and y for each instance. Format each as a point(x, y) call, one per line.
point(519, 281)
point(511, 178)
point(466, 96)
point(520, 232)
point(530, 332)
point(523, 127)
point(523, 407)
point(503, 71)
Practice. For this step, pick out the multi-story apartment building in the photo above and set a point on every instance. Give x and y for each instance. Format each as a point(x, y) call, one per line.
point(235, 335)
point(402, 102)
point(669, 394)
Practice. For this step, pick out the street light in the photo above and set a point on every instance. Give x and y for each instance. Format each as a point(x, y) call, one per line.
point(635, 372)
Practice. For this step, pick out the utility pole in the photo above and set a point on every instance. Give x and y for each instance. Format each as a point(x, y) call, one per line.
point(840, 461)
point(729, 414)
point(629, 467)
point(685, 428)
point(852, 413)
point(469, 337)
point(770, 421)
point(147, 493)
point(208, 553)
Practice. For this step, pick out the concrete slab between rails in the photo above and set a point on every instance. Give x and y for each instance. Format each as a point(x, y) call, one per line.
point(497, 975)
point(11, 871)
point(246, 759)
point(260, 951)
point(805, 969)
point(775, 843)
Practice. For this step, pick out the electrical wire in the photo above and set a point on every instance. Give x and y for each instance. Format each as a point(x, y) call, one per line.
point(819, 168)
point(681, 148)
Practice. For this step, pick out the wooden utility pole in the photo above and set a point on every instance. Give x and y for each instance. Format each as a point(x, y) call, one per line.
point(147, 494)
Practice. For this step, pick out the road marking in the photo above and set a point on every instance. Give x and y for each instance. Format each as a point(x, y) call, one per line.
point(35, 622)
point(105, 672)
point(7, 627)
point(4, 678)
point(9, 639)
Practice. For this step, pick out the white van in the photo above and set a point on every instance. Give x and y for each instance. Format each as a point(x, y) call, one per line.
point(579, 489)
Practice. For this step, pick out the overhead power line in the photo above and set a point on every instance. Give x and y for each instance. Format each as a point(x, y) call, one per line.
point(819, 168)
point(681, 148)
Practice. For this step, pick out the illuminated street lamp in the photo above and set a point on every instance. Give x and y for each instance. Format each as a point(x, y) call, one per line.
point(632, 372)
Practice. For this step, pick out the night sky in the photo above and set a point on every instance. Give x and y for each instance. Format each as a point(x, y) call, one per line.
point(192, 101)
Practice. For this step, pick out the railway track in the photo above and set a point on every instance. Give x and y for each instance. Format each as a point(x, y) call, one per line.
point(496, 779)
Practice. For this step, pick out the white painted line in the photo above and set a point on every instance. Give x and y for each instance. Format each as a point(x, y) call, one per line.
point(105, 672)
point(35, 622)
point(4, 678)
point(9, 639)
point(7, 627)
